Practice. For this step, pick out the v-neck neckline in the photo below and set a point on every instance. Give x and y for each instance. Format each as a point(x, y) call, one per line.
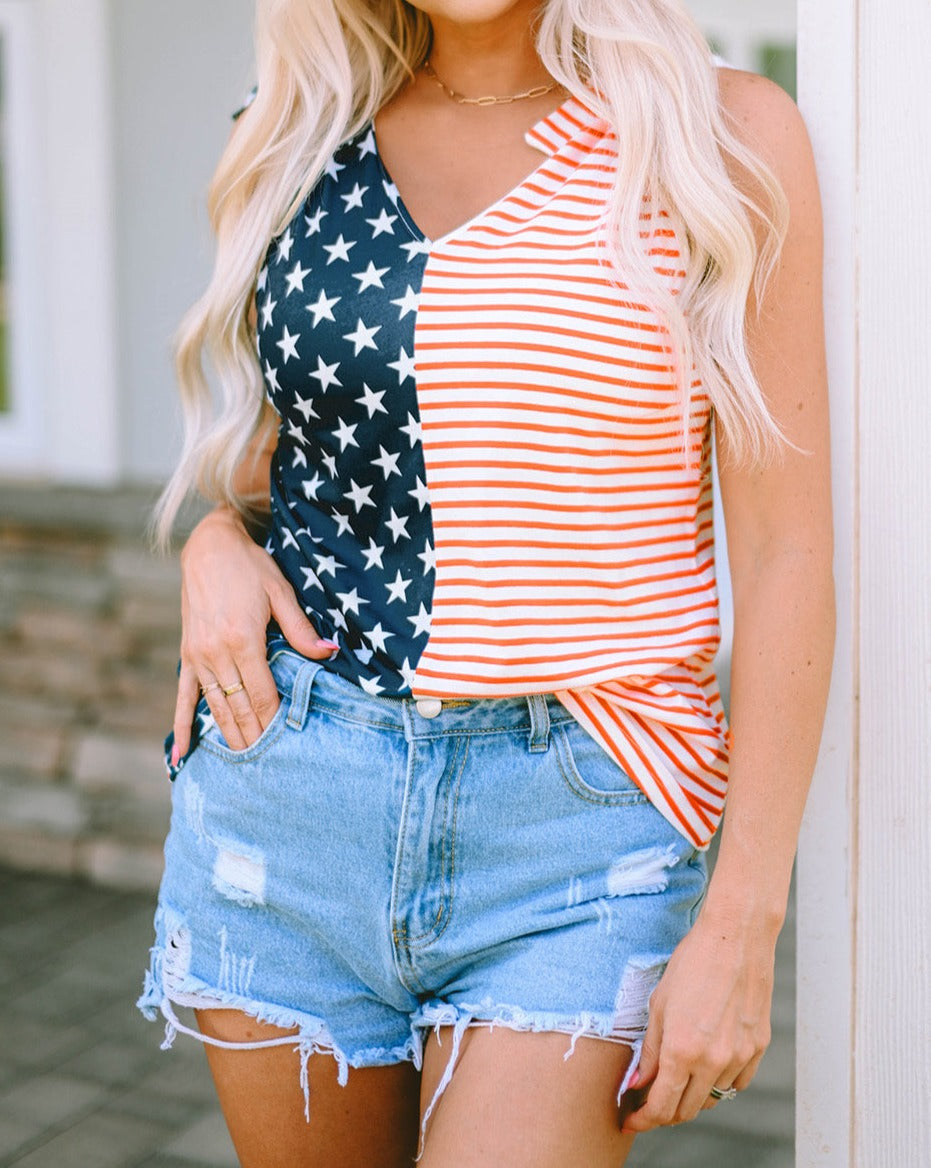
point(533, 137)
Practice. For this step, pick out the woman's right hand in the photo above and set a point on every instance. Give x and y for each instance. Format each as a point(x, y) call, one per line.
point(231, 588)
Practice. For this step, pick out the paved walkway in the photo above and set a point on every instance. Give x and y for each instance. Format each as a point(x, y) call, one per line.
point(84, 1085)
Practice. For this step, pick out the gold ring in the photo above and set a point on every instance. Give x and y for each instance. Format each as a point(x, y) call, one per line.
point(205, 689)
point(229, 690)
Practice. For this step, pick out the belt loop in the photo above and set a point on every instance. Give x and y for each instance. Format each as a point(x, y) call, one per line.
point(300, 694)
point(539, 723)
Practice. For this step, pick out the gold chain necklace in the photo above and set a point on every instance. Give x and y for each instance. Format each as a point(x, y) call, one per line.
point(537, 91)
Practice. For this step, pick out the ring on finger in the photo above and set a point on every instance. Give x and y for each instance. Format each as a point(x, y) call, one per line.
point(205, 689)
point(236, 688)
point(726, 1093)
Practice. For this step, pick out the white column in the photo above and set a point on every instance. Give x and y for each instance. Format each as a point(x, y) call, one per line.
point(864, 1073)
point(892, 1039)
point(76, 246)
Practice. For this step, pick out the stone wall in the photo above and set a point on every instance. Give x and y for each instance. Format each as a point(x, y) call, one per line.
point(89, 634)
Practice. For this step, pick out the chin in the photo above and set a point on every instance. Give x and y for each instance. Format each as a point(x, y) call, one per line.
point(471, 11)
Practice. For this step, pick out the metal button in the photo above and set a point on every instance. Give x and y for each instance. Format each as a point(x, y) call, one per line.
point(429, 707)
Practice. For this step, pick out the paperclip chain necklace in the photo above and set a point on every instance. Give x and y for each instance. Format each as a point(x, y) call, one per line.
point(537, 91)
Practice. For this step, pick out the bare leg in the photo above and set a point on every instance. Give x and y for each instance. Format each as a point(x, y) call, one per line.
point(370, 1122)
point(514, 1099)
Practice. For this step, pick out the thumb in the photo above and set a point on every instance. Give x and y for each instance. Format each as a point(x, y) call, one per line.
point(297, 629)
point(649, 1054)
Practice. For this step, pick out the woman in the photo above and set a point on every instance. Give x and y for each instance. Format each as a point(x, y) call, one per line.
point(437, 849)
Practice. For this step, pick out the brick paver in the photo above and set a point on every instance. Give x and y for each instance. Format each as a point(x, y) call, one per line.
point(84, 1085)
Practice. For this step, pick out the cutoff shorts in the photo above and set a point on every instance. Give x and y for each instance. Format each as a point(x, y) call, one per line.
point(373, 868)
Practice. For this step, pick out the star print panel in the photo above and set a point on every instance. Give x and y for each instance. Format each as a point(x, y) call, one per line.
point(351, 525)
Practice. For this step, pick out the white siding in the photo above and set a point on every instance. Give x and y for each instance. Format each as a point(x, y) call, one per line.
point(180, 66)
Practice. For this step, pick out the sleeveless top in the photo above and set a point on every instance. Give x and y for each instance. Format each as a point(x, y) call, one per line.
point(479, 488)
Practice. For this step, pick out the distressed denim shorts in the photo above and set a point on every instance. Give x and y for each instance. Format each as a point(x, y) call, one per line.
point(373, 868)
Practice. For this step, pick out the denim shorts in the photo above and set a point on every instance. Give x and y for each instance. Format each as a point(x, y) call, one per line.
point(373, 868)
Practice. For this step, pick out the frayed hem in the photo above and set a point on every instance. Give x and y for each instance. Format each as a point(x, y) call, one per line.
point(169, 984)
point(462, 1018)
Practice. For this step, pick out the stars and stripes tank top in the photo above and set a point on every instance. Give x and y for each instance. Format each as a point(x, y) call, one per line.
point(479, 488)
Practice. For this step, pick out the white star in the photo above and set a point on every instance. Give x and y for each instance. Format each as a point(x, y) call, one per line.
point(346, 435)
point(313, 221)
point(304, 407)
point(364, 654)
point(299, 459)
point(387, 462)
point(262, 282)
point(398, 590)
point(323, 309)
point(367, 145)
point(329, 461)
point(359, 496)
point(326, 374)
point(284, 247)
point(373, 554)
point(333, 168)
point(297, 433)
point(312, 486)
point(338, 250)
point(362, 337)
point(408, 673)
point(343, 526)
point(371, 686)
point(337, 620)
point(296, 277)
point(421, 622)
point(397, 524)
point(288, 344)
point(413, 429)
point(271, 378)
point(416, 247)
point(355, 197)
point(288, 540)
point(404, 366)
point(428, 555)
point(377, 637)
point(420, 493)
point(327, 564)
point(409, 302)
point(267, 309)
point(383, 225)
point(370, 278)
point(310, 579)
point(351, 601)
point(372, 401)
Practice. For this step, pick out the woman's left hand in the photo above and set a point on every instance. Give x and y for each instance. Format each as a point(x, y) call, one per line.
point(709, 1022)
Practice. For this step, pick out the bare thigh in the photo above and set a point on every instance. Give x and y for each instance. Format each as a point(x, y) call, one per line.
point(370, 1122)
point(515, 1099)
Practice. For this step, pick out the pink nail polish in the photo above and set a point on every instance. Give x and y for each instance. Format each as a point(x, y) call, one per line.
point(634, 1080)
point(327, 645)
point(175, 755)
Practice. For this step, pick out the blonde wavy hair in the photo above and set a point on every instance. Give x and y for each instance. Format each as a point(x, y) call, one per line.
point(325, 67)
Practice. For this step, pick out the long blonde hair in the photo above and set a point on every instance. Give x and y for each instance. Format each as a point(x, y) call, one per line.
point(325, 67)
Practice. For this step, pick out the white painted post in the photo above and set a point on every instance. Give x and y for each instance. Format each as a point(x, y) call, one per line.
point(77, 246)
point(827, 47)
point(864, 1029)
point(892, 1026)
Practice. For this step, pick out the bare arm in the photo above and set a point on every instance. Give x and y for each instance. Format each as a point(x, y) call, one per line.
point(709, 1022)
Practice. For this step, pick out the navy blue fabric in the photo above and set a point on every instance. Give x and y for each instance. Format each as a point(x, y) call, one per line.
point(351, 526)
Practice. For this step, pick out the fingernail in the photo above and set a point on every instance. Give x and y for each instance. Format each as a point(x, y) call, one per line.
point(634, 1080)
point(327, 645)
point(175, 755)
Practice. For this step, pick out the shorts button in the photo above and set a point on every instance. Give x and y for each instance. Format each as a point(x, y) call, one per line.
point(429, 707)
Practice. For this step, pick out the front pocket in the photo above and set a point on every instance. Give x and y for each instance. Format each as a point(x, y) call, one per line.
point(213, 741)
point(590, 772)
